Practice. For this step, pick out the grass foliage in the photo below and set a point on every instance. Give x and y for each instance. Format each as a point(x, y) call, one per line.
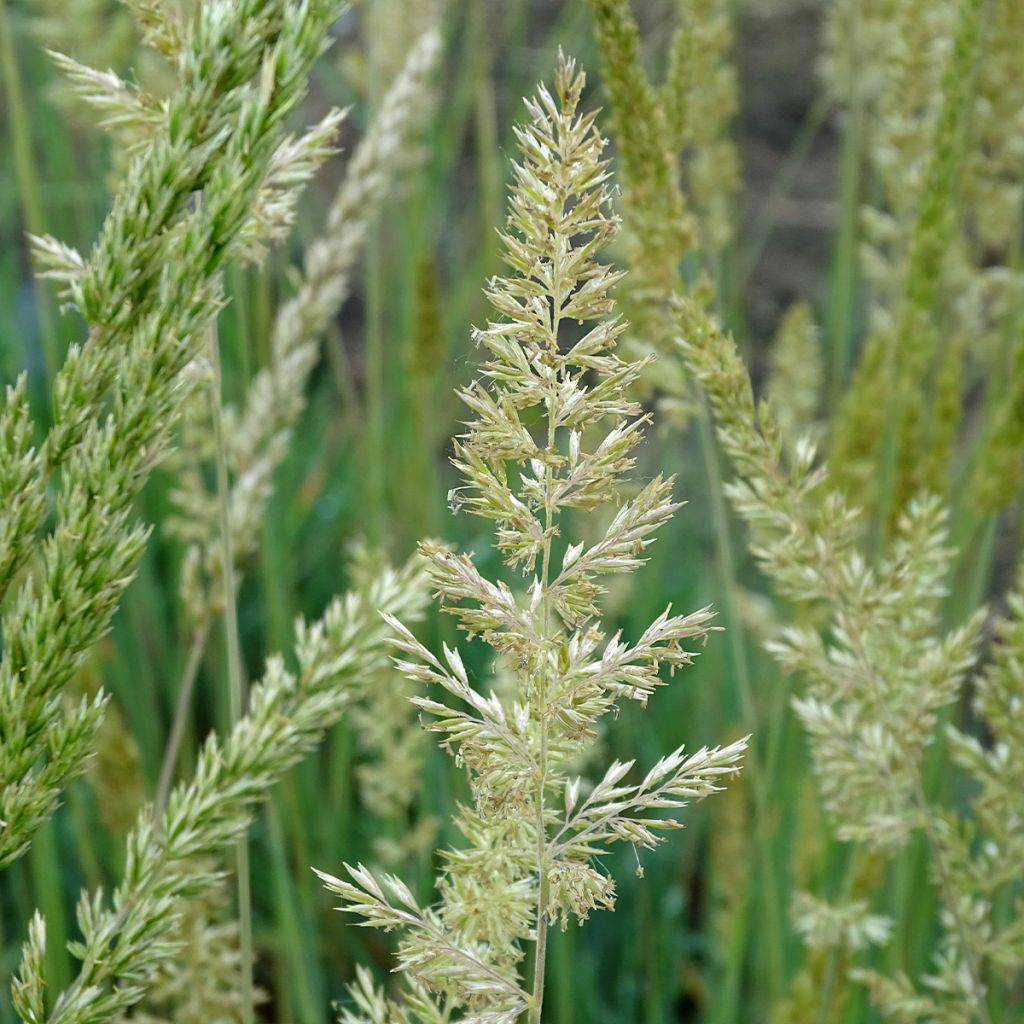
point(247, 243)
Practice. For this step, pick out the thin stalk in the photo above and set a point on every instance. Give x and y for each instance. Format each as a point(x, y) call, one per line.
point(236, 685)
point(241, 307)
point(540, 951)
point(782, 183)
point(838, 950)
point(378, 293)
point(540, 693)
point(143, 632)
point(28, 179)
point(725, 565)
point(376, 389)
point(186, 687)
point(829, 985)
point(844, 275)
point(303, 983)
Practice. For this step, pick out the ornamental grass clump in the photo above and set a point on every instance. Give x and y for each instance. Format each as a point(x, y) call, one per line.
point(553, 429)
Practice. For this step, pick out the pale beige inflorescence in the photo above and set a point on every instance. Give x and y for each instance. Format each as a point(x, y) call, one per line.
point(553, 429)
point(878, 678)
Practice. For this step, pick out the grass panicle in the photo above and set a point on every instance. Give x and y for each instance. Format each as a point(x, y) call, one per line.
point(117, 395)
point(258, 433)
point(878, 681)
point(167, 860)
point(534, 830)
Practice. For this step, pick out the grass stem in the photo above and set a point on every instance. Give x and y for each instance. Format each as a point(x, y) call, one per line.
point(28, 178)
point(186, 687)
point(236, 682)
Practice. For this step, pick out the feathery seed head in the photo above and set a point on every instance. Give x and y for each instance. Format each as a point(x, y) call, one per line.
point(534, 447)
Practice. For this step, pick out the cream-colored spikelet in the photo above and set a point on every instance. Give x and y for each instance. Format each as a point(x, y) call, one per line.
point(877, 679)
point(552, 428)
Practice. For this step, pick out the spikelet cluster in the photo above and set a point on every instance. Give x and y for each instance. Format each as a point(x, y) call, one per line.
point(103, 39)
point(678, 167)
point(877, 681)
point(888, 56)
point(983, 849)
point(147, 291)
point(700, 96)
point(859, 47)
point(907, 238)
point(659, 229)
point(535, 448)
point(796, 376)
point(129, 941)
point(992, 180)
point(258, 433)
point(941, 277)
point(202, 983)
point(992, 188)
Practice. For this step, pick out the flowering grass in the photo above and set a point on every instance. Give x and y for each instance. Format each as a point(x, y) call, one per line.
point(248, 243)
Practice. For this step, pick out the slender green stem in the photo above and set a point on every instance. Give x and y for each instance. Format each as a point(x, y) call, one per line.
point(303, 981)
point(540, 951)
point(186, 688)
point(781, 185)
point(839, 326)
point(838, 950)
point(540, 691)
point(725, 565)
point(236, 683)
point(378, 288)
point(828, 985)
point(28, 178)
